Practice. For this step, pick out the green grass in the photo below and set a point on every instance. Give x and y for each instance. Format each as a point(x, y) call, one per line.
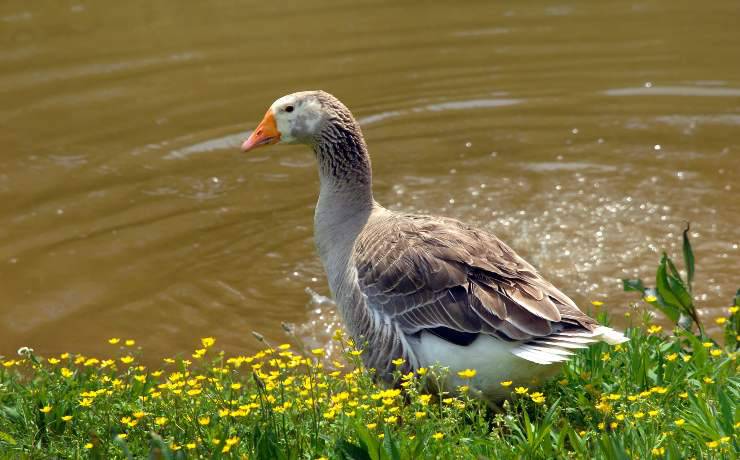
point(663, 394)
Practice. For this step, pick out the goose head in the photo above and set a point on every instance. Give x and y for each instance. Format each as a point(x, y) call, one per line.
point(297, 118)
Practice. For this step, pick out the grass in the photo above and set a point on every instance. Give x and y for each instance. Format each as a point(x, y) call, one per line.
point(664, 394)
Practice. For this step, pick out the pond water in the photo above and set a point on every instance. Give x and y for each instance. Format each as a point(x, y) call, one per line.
point(583, 134)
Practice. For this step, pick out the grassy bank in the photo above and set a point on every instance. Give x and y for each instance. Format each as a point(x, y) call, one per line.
point(664, 394)
point(657, 396)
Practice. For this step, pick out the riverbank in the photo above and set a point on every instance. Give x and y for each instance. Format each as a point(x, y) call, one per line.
point(661, 395)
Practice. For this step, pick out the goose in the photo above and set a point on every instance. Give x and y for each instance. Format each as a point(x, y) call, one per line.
point(431, 290)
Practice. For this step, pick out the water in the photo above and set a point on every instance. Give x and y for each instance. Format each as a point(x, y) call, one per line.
point(583, 134)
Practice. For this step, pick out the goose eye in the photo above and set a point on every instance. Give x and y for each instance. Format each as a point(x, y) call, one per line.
point(289, 108)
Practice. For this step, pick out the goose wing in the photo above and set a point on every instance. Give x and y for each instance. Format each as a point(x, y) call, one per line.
point(455, 281)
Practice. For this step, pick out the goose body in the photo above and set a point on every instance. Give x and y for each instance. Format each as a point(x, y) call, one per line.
point(429, 289)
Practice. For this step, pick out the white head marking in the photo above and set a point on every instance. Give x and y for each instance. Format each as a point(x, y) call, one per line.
point(297, 117)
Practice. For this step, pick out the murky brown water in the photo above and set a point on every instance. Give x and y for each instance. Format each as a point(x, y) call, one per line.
point(583, 134)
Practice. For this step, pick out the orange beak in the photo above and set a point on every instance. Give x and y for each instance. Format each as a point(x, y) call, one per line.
point(265, 134)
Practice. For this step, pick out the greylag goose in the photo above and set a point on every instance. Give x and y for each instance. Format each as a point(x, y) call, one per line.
point(428, 289)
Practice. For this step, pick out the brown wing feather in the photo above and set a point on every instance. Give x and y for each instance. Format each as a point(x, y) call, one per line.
point(427, 273)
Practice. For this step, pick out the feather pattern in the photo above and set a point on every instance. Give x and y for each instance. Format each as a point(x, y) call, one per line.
point(424, 272)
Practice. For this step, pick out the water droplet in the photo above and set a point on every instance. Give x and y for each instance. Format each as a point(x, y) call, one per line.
point(574, 130)
point(648, 84)
point(60, 211)
point(468, 144)
point(656, 147)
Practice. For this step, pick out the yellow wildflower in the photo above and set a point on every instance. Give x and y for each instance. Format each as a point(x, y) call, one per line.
point(707, 344)
point(66, 372)
point(208, 341)
point(437, 436)
point(679, 422)
point(650, 298)
point(734, 309)
point(53, 361)
point(391, 419)
point(161, 421)
point(371, 426)
point(506, 384)
point(127, 359)
point(653, 413)
point(658, 451)
point(424, 399)
point(420, 415)
point(716, 352)
point(683, 395)
point(654, 329)
point(597, 303)
point(130, 342)
point(467, 373)
point(422, 371)
point(602, 425)
point(708, 380)
point(398, 362)
point(236, 386)
point(204, 420)
point(672, 357)
point(89, 445)
point(721, 320)
point(191, 445)
point(45, 409)
point(66, 418)
point(537, 397)
point(639, 415)
point(605, 357)
point(114, 340)
point(521, 390)
point(712, 444)
point(122, 435)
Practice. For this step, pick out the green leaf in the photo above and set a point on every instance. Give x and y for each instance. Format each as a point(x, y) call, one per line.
point(352, 451)
point(390, 444)
point(633, 285)
point(727, 409)
point(6, 438)
point(678, 289)
point(688, 255)
point(667, 302)
point(370, 443)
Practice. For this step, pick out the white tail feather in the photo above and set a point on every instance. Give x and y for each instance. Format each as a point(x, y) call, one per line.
point(553, 348)
point(609, 335)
